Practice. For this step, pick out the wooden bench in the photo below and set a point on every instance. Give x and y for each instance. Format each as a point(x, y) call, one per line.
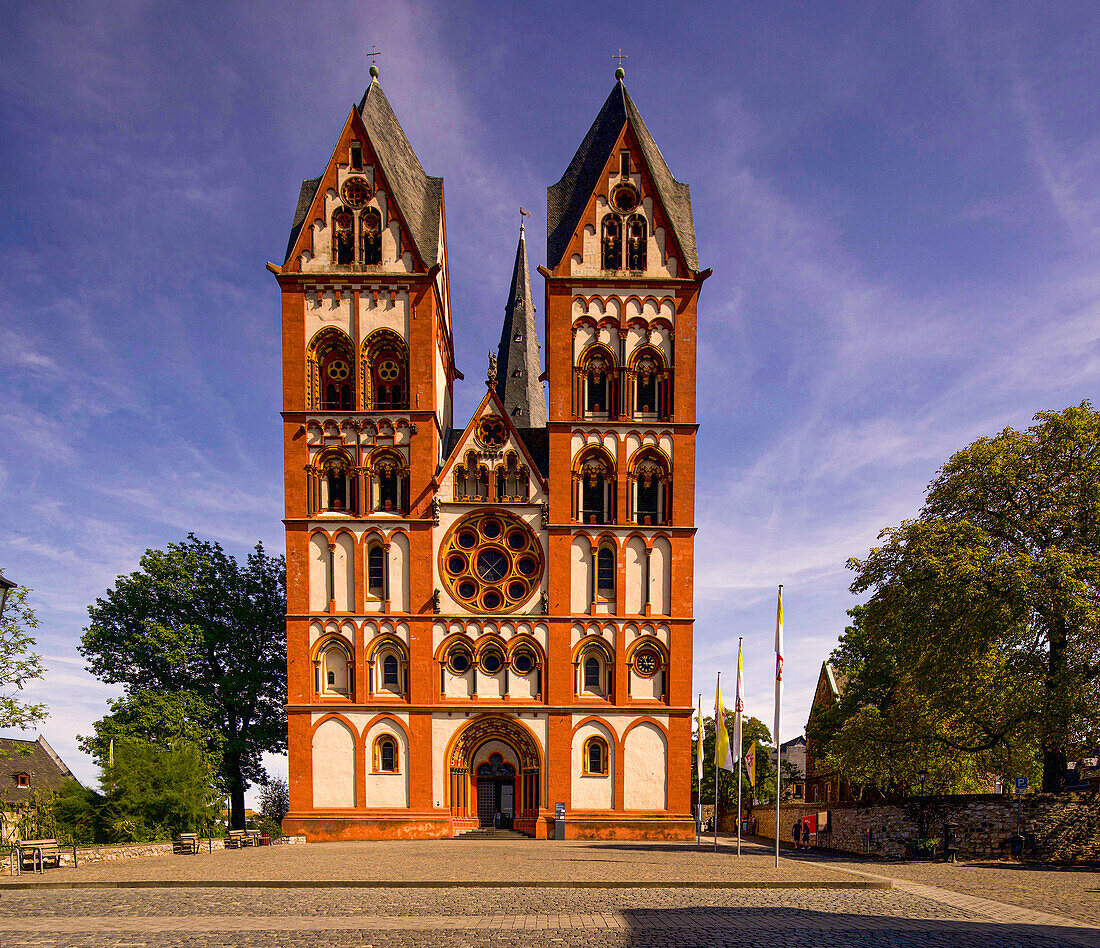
point(38, 852)
point(254, 836)
point(238, 838)
point(187, 843)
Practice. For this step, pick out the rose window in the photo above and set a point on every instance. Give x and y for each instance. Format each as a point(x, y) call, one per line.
point(491, 562)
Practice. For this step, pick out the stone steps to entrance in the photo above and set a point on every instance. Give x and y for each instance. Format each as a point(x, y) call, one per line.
point(488, 832)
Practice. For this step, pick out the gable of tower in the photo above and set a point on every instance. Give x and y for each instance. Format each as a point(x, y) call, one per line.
point(585, 194)
point(373, 194)
point(491, 446)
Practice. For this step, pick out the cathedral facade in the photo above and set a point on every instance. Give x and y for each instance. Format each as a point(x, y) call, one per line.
point(490, 623)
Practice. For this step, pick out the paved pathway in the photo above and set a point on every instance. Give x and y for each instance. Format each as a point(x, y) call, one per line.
point(592, 905)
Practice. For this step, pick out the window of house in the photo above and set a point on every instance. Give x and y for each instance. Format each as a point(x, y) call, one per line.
point(343, 237)
point(595, 490)
point(646, 386)
point(605, 573)
point(611, 243)
point(356, 156)
point(651, 491)
point(336, 382)
point(458, 659)
point(624, 163)
point(335, 468)
point(376, 566)
point(385, 755)
point(595, 756)
point(637, 233)
point(23, 780)
point(370, 236)
point(523, 661)
point(389, 672)
point(335, 671)
point(388, 375)
point(597, 385)
point(591, 672)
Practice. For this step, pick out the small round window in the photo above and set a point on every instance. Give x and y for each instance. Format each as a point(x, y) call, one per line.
point(458, 660)
point(523, 662)
point(491, 662)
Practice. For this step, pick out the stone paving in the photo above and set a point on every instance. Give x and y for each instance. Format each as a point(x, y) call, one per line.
point(593, 900)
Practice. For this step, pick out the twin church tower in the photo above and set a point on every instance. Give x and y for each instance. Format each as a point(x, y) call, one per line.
point(490, 623)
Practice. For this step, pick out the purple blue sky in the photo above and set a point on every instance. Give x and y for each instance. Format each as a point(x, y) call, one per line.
point(900, 202)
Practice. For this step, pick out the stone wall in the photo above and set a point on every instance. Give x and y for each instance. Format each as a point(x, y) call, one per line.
point(1057, 828)
point(86, 855)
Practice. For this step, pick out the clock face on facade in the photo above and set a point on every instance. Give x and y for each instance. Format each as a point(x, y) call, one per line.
point(356, 192)
point(625, 198)
point(646, 662)
point(491, 562)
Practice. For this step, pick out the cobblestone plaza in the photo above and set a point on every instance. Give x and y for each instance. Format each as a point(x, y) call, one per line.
point(504, 893)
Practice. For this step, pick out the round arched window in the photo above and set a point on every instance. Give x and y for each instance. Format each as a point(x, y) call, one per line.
point(458, 659)
point(491, 661)
point(523, 661)
point(491, 562)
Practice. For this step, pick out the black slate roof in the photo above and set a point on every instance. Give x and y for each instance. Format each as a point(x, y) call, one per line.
point(566, 200)
point(518, 366)
point(36, 758)
point(417, 194)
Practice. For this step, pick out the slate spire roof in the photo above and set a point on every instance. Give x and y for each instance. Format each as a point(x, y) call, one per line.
point(418, 195)
point(566, 200)
point(518, 368)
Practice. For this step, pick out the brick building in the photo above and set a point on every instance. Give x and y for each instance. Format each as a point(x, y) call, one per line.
point(488, 619)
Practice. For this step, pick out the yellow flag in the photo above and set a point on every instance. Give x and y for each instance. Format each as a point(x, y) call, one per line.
point(722, 756)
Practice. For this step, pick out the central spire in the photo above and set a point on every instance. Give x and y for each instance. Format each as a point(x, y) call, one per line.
point(517, 384)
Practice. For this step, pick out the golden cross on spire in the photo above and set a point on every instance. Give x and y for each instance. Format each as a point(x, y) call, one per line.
point(620, 56)
point(373, 52)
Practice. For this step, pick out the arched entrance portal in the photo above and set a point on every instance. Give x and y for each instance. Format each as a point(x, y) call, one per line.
point(494, 768)
point(496, 793)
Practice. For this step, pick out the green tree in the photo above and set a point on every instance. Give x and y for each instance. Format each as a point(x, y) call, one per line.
point(152, 793)
point(752, 729)
point(18, 663)
point(197, 641)
point(275, 803)
point(978, 651)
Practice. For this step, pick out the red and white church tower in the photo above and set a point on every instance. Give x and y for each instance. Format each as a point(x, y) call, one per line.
point(487, 621)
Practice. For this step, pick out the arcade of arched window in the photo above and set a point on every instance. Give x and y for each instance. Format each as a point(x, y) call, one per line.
point(593, 499)
point(641, 391)
point(385, 367)
point(651, 490)
point(332, 483)
point(331, 374)
point(350, 231)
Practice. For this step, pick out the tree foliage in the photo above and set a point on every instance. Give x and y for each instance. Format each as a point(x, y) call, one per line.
point(197, 641)
point(978, 651)
point(752, 729)
point(18, 662)
point(275, 803)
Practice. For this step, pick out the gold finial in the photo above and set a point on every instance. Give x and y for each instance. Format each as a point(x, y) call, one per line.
point(620, 73)
point(373, 68)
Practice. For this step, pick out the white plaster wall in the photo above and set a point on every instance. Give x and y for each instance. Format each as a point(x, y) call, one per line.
point(333, 765)
point(645, 767)
point(388, 790)
point(592, 792)
point(661, 576)
point(318, 573)
point(399, 572)
point(580, 572)
point(379, 310)
point(643, 687)
point(635, 575)
point(343, 561)
point(490, 686)
point(328, 312)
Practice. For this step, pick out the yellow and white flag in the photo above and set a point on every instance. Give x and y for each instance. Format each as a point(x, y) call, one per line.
point(778, 663)
point(722, 756)
point(738, 705)
point(750, 764)
point(699, 748)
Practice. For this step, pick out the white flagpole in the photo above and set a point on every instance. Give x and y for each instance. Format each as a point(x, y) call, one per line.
point(717, 724)
point(699, 772)
point(778, 697)
point(738, 738)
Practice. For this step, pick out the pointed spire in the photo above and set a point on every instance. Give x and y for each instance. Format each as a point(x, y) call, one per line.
point(517, 382)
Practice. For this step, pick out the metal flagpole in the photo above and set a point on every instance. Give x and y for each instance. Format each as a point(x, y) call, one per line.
point(717, 724)
point(778, 697)
point(737, 732)
point(699, 773)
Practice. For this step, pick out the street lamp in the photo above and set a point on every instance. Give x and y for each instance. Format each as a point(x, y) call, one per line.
point(6, 586)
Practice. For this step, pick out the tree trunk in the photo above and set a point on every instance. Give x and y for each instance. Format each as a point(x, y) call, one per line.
point(1056, 715)
point(236, 790)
